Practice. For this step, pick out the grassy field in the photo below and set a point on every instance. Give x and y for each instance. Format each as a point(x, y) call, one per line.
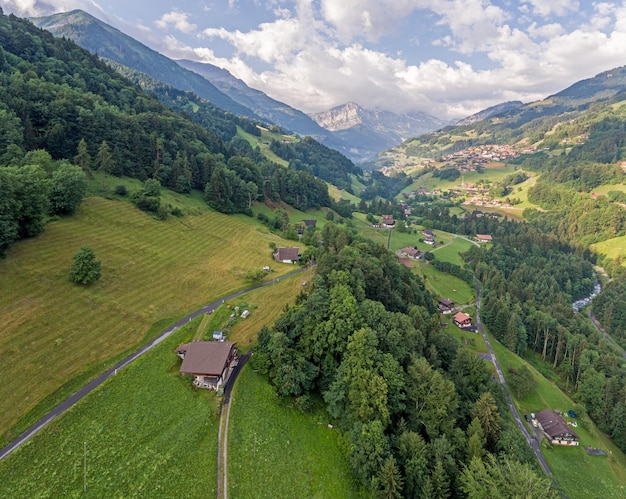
point(451, 252)
point(276, 451)
point(443, 285)
point(152, 271)
point(612, 248)
point(146, 431)
point(580, 475)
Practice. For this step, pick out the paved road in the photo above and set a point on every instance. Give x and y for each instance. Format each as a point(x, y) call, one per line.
point(92, 385)
point(608, 337)
point(533, 440)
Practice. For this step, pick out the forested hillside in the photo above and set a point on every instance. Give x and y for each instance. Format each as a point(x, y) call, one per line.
point(57, 98)
point(421, 415)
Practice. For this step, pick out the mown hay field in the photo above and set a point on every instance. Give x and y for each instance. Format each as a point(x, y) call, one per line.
point(152, 272)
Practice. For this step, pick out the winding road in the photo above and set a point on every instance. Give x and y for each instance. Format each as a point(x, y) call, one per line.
point(533, 440)
point(95, 383)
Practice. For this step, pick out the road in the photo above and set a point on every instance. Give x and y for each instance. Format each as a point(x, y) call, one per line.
point(533, 440)
point(95, 383)
point(608, 337)
point(222, 438)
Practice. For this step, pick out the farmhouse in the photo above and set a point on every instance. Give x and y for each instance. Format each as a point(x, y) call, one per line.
point(413, 253)
point(287, 255)
point(388, 221)
point(556, 429)
point(446, 306)
point(208, 362)
point(484, 238)
point(461, 319)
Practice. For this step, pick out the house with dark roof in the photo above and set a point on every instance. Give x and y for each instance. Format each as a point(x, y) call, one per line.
point(209, 362)
point(446, 306)
point(287, 255)
point(409, 252)
point(387, 221)
point(555, 428)
point(310, 223)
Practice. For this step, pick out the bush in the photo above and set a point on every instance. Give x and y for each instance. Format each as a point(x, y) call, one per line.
point(121, 190)
point(85, 269)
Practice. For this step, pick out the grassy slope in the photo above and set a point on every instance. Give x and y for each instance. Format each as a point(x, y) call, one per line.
point(579, 474)
point(151, 271)
point(277, 451)
point(146, 431)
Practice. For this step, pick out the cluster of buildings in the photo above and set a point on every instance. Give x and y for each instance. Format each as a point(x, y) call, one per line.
point(478, 156)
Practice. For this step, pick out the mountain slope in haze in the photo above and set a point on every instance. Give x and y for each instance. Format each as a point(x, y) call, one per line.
point(490, 112)
point(108, 42)
point(269, 109)
point(232, 95)
point(372, 131)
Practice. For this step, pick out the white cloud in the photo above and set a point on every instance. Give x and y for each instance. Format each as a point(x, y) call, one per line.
point(179, 20)
point(552, 7)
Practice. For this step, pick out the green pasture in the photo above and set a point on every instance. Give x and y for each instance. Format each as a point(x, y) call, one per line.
point(443, 285)
point(451, 252)
point(612, 248)
point(580, 475)
point(147, 433)
point(276, 450)
point(54, 331)
point(339, 194)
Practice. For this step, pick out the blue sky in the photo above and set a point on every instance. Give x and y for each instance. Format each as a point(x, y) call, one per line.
point(449, 58)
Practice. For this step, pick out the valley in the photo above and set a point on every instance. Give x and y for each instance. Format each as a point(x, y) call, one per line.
point(358, 384)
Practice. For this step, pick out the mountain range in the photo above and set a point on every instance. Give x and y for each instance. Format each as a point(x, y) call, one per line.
point(356, 132)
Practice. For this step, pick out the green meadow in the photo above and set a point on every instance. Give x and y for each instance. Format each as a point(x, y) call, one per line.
point(145, 433)
point(443, 285)
point(276, 450)
point(152, 272)
point(579, 474)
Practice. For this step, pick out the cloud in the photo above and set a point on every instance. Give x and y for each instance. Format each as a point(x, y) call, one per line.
point(552, 7)
point(177, 19)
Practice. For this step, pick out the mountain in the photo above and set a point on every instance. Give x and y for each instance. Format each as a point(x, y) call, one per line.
point(372, 131)
point(205, 80)
point(261, 104)
point(491, 111)
point(107, 42)
point(567, 117)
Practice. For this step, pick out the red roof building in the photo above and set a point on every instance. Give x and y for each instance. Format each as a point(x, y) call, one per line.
point(207, 361)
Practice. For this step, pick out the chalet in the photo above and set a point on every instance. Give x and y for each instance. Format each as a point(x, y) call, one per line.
point(461, 319)
point(413, 253)
point(287, 255)
point(484, 238)
point(310, 223)
point(556, 429)
point(445, 306)
point(209, 362)
point(427, 232)
point(387, 221)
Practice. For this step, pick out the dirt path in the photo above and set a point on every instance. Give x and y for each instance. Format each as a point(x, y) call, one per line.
point(222, 439)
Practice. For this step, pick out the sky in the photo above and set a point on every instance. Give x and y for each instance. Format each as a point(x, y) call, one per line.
point(448, 58)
